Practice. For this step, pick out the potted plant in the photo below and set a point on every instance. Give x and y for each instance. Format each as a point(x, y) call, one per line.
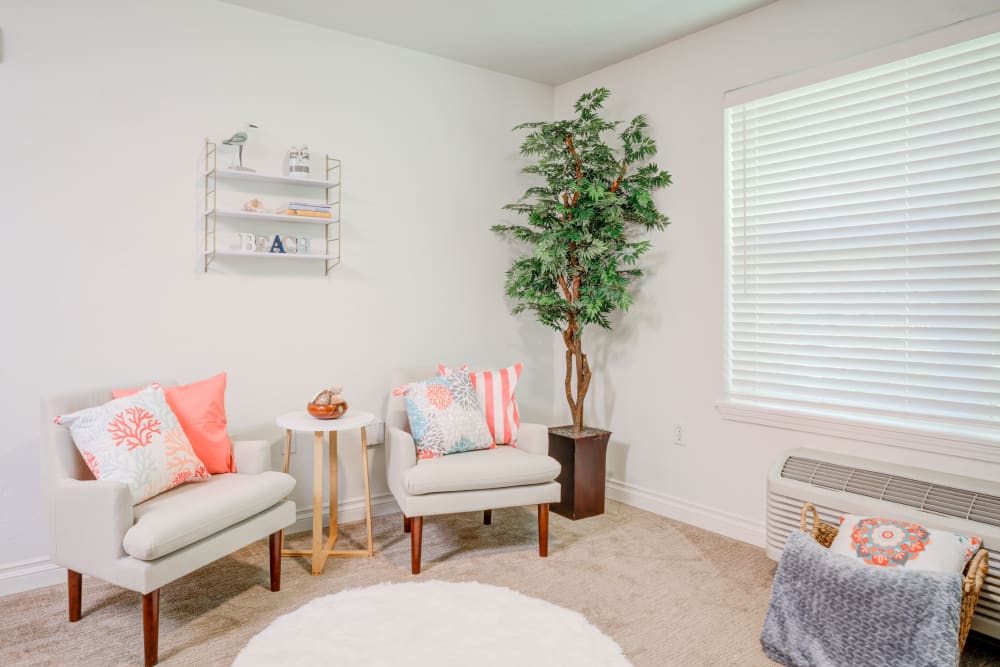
point(583, 257)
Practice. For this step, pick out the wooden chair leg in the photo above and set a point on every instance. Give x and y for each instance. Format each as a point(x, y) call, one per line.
point(543, 529)
point(487, 517)
point(74, 581)
point(406, 524)
point(274, 541)
point(151, 626)
point(416, 533)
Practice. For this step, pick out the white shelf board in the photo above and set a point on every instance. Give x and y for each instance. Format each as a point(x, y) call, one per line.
point(270, 178)
point(287, 255)
point(273, 217)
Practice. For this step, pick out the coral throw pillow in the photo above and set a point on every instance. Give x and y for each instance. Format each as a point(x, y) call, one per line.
point(201, 409)
point(135, 440)
point(895, 543)
point(495, 390)
point(445, 415)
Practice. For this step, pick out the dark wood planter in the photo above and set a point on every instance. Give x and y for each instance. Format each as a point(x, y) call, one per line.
point(582, 456)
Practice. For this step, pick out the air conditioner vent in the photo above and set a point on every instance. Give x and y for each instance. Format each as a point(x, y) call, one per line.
point(866, 483)
point(950, 502)
point(799, 468)
point(926, 496)
point(832, 476)
point(986, 509)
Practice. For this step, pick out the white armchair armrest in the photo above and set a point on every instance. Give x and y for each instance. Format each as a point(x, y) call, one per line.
point(89, 521)
point(252, 456)
point(400, 456)
point(533, 438)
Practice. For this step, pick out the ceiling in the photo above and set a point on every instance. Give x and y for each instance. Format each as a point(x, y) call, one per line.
point(551, 41)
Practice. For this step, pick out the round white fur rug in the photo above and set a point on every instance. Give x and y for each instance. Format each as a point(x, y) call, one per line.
point(431, 623)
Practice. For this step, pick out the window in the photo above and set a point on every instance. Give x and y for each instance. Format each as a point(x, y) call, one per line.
point(863, 232)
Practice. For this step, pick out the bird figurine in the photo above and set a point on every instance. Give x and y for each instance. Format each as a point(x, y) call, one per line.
point(238, 140)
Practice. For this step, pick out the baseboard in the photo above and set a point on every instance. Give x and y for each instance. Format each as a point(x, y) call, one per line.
point(26, 575)
point(710, 518)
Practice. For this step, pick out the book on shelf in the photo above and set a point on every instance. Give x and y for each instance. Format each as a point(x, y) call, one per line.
point(309, 214)
point(302, 206)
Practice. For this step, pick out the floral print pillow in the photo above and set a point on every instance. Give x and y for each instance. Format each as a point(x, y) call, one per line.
point(135, 440)
point(895, 543)
point(445, 415)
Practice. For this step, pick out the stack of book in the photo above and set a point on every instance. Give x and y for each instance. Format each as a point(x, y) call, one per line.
point(309, 210)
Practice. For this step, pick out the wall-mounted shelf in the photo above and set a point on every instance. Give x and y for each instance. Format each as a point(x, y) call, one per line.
point(273, 255)
point(211, 213)
point(271, 178)
point(272, 217)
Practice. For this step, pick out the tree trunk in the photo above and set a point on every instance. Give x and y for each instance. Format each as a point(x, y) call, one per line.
point(577, 373)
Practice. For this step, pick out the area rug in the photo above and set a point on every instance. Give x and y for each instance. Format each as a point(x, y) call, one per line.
point(431, 623)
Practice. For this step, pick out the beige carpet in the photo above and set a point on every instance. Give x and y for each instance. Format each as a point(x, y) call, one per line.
point(668, 593)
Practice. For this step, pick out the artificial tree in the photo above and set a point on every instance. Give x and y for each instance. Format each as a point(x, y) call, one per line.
point(580, 226)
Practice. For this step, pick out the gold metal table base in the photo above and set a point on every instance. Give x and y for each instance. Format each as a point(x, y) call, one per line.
point(320, 551)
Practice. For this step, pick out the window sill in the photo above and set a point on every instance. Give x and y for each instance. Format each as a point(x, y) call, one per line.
point(978, 447)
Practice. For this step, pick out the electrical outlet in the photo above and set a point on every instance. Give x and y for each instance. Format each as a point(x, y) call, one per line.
point(292, 444)
point(679, 435)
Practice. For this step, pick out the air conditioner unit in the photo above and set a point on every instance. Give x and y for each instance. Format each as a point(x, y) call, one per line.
point(838, 484)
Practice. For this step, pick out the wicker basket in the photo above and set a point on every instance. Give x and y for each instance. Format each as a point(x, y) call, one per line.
point(975, 570)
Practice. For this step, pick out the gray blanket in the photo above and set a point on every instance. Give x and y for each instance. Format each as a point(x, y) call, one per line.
point(827, 610)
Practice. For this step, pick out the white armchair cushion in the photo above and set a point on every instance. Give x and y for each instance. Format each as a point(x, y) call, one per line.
point(485, 469)
point(191, 512)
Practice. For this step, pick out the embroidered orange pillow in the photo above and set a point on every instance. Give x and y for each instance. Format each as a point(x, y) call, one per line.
point(201, 410)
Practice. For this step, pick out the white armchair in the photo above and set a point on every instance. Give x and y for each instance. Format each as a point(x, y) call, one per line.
point(467, 482)
point(95, 530)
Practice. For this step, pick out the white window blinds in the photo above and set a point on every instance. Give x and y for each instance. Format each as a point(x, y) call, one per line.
point(864, 242)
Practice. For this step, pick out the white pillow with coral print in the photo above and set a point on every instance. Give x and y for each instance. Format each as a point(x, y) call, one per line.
point(135, 440)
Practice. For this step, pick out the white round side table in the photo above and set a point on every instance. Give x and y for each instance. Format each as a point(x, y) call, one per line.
point(303, 422)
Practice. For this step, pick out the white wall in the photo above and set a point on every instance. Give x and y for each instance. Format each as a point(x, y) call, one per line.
point(664, 363)
point(103, 110)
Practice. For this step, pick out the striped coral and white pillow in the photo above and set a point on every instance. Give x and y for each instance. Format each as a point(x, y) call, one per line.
point(496, 396)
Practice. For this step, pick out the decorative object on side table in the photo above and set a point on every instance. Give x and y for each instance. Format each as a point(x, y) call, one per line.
point(239, 140)
point(328, 404)
point(582, 260)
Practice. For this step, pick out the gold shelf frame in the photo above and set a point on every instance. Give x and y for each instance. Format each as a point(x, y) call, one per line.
point(333, 165)
point(211, 188)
